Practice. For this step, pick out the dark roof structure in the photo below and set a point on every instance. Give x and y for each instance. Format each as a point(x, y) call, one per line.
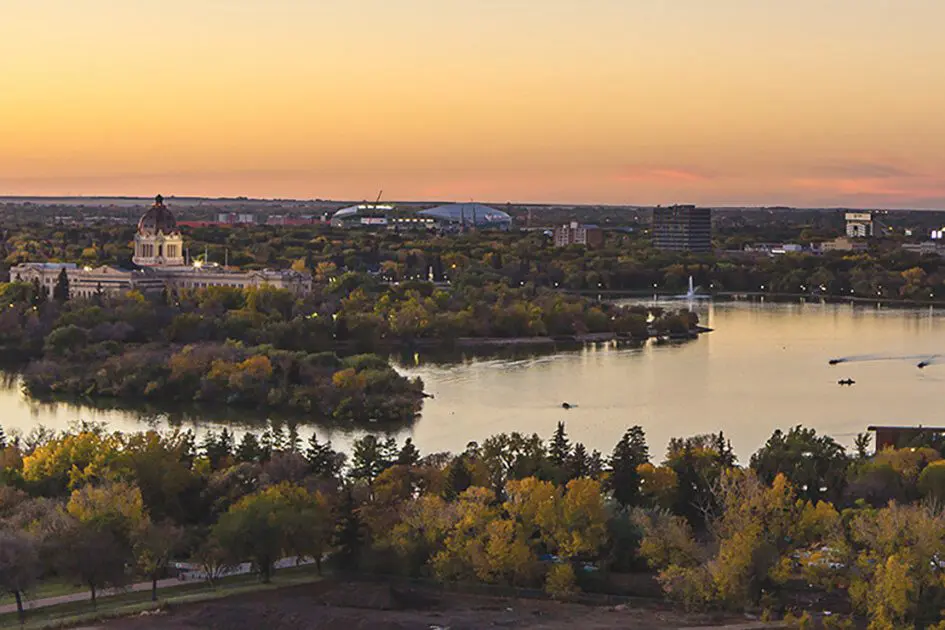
point(158, 219)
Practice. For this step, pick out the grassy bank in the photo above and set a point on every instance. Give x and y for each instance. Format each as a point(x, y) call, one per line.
point(72, 614)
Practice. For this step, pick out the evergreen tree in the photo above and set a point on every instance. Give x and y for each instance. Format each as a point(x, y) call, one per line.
point(389, 452)
point(349, 534)
point(249, 449)
point(324, 460)
point(211, 449)
point(188, 448)
point(370, 457)
point(225, 443)
point(577, 464)
point(862, 445)
point(595, 465)
point(560, 448)
point(279, 441)
point(723, 447)
point(293, 441)
point(266, 445)
point(38, 293)
point(458, 477)
point(61, 290)
point(408, 455)
point(624, 481)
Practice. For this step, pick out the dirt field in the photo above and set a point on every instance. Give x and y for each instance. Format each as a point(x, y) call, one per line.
point(357, 606)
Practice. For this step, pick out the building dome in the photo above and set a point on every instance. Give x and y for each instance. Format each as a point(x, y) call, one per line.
point(157, 220)
point(471, 214)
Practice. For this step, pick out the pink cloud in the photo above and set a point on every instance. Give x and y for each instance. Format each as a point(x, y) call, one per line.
point(674, 174)
point(904, 187)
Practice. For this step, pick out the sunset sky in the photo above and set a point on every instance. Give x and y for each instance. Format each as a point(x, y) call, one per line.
point(717, 102)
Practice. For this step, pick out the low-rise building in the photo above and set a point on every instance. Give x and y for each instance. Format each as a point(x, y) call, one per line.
point(774, 249)
point(843, 244)
point(928, 247)
point(86, 281)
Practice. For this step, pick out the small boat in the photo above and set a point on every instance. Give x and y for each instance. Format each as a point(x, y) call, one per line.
point(846, 381)
point(565, 405)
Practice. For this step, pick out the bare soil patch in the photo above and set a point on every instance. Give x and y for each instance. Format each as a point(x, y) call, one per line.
point(360, 606)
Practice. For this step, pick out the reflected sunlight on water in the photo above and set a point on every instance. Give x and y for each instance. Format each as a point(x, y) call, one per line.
point(764, 367)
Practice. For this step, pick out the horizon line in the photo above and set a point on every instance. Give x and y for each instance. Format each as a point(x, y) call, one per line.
point(488, 203)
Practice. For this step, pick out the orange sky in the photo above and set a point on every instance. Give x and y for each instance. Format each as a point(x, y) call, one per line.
point(801, 102)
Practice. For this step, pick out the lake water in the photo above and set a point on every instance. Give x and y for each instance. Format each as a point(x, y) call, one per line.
point(764, 367)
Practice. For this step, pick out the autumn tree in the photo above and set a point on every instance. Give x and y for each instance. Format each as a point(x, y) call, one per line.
point(510, 456)
point(898, 551)
point(95, 544)
point(19, 565)
point(816, 465)
point(154, 546)
point(264, 526)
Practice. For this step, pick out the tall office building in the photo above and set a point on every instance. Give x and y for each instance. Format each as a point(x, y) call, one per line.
point(682, 229)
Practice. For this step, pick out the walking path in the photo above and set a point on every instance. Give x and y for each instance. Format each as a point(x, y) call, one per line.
point(81, 596)
point(189, 574)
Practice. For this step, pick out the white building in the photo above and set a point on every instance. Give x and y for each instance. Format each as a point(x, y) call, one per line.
point(159, 248)
point(158, 241)
point(859, 224)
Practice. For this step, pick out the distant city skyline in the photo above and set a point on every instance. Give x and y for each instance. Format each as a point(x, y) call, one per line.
point(724, 102)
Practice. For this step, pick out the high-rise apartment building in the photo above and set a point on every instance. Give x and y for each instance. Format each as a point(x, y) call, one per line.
point(682, 229)
point(859, 224)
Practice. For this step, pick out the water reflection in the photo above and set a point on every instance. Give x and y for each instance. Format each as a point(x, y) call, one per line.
point(763, 367)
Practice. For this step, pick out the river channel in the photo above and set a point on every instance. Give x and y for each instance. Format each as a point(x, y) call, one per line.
point(764, 367)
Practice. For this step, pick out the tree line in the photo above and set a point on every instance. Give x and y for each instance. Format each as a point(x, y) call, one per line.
point(626, 261)
point(803, 521)
point(267, 347)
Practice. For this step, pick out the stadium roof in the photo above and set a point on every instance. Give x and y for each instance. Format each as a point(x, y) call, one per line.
point(472, 213)
point(351, 211)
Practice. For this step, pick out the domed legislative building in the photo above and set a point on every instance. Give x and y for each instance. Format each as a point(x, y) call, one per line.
point(160, 258)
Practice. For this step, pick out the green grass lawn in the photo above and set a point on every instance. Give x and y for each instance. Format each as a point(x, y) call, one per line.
point(72, 613)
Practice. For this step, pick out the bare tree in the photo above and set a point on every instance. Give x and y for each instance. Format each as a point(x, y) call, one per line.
point(213, 560)
point(19, 565)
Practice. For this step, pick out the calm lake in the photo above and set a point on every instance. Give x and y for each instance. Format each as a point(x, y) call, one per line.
point(764, 367)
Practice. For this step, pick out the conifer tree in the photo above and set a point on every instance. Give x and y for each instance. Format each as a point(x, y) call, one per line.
point(249, 449)
point(408, 455)
point(577, 464)
point(61, 290)
point(560, 448)
point(624, 481)
point(349, 534)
